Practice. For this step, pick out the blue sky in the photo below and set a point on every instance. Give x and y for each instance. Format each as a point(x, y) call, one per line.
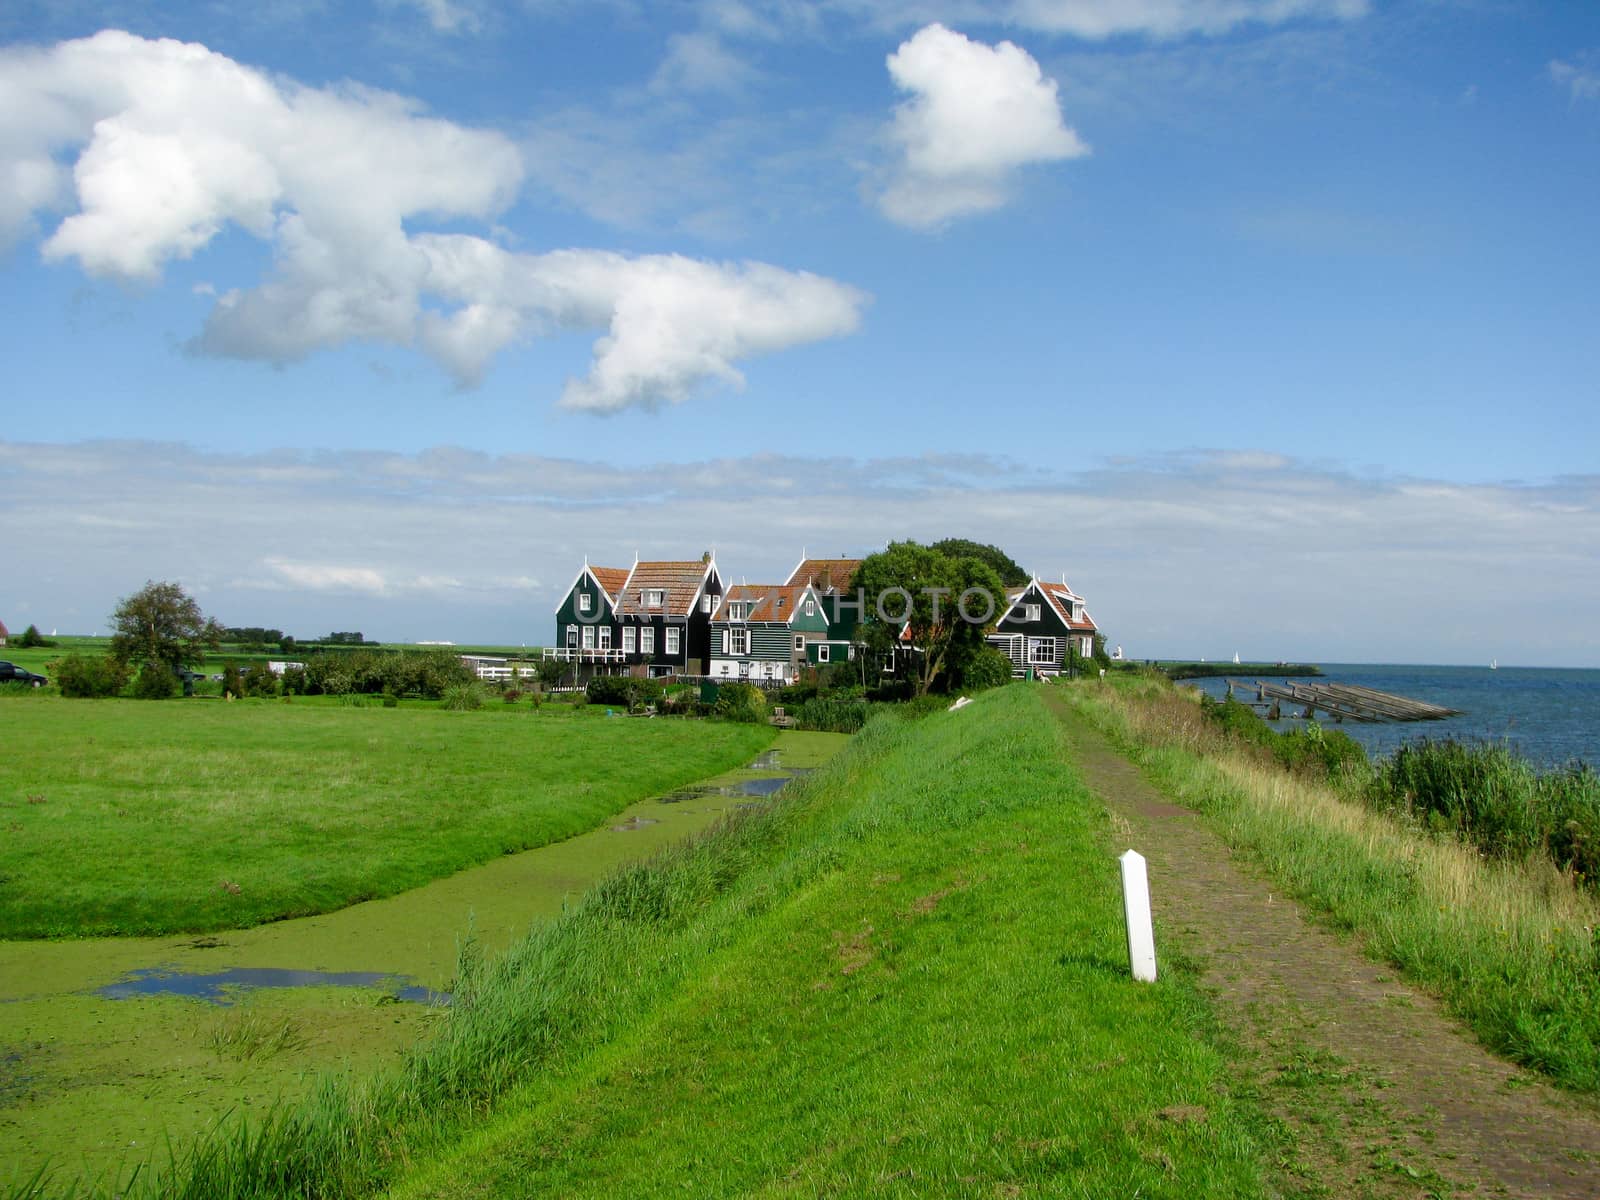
point(383, 316)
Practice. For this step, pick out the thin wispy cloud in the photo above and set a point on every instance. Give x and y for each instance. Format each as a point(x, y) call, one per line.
point(1185, 553)
point(1580, 77)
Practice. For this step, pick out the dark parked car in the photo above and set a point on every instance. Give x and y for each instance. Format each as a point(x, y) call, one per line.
point(10, 672)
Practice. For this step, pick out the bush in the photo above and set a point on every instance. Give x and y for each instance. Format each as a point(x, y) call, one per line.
point(462, 697)
point(155, 681)
point(741, 702)
point(260, 681)
point(984, 668)
point(796, 693)
point(232, 681)
point(924, 706)
point(30, 639)
point(90, 678)
point(625, 690)
point(390, 700)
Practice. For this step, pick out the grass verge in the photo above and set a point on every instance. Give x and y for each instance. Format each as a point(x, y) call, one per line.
point(905, 977)
point(1512, 947)
point(123, 817)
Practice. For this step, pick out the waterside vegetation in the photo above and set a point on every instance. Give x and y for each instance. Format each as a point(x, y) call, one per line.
point(1455, 863)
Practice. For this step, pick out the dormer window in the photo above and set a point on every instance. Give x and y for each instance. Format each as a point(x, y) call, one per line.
point(652, 597)
point(585, 602)
point(736, 611)
point(1030, 612)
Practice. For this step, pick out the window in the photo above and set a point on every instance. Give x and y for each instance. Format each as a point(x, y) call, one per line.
point(1042, 650)
point(822, 652)
point(630, 637)
point(799, 643)
point(726, 668)
point(588, 637)
point(653, 598)
point(605, 637)
point(572, 637)
point(738, 640)
point(672, 639)
point(705, 602)
point(811, 607)
point(585, 602)
point(647, 640)
point(1030, 612)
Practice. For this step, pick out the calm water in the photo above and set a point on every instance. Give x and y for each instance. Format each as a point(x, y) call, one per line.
point(1549, 715)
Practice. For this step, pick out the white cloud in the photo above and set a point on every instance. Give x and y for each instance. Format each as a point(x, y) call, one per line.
point(978, 114)
point(1581, 78)
point(700, 62)
point(179, 142)
point(1277, 558)
point(1098, 19)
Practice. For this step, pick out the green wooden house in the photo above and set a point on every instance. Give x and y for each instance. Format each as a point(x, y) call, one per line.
point(768, 633)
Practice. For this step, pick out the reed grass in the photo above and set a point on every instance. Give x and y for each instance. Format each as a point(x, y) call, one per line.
point(1510, 944)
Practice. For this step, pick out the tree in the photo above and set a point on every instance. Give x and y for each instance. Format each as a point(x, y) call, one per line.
point(31, 638)
point(922, 589)
point(161, 623)
point(1003, 565)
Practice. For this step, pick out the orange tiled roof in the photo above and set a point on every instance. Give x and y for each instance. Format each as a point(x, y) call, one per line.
point(611, 578)
point(826, 573)
point(679, 581)
point(769, 601)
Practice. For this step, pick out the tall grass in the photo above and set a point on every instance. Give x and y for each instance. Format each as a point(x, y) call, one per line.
point(967, 1022)
point(1510, 944)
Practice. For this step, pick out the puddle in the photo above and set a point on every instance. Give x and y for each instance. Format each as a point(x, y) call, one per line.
point(214, 987)
point(745, 787)
point(634, 823)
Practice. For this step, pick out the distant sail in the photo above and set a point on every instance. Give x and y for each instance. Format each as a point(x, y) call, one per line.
point(1236, 658)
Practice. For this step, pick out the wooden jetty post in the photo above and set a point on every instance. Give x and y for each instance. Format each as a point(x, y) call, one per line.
point(1343, 700)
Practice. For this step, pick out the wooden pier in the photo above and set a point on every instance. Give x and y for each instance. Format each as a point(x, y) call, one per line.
point(1341, 701)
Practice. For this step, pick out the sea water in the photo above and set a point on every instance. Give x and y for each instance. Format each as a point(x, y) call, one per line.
point(1549, 715)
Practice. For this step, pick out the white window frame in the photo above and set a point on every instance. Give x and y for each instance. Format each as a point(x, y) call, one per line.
point(647, 640)
point(630, 639)
point(1032, 612)
point(585, 602)
point(822, 652)
point(588, 637)
point(1042, 652)
point(738, 642)
point(572, 637)
point(799, 643)
point(605, 637)
point(653, 597)
point(674, 640)
point(705, 602)
point(811, 607)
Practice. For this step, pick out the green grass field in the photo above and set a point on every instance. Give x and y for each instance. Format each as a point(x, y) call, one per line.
point(129, 817)
point(904, 976)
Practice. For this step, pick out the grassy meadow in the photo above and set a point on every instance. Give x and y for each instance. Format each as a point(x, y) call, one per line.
point(130, 817)
point(1510, 944)
point(903, 976)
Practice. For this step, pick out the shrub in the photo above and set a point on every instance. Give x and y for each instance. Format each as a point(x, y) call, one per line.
point(232, 681)
point(924, 706)
point(462, 697)
point(260, 681)
point(90, 678)
point(155, 681)
point(741, 702)
point(390, 700)
point(293, 681)
point(625, 690)
point(796, 693)
point(984, 668)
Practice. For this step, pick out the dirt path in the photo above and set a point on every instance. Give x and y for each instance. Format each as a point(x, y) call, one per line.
point(1386, 1095)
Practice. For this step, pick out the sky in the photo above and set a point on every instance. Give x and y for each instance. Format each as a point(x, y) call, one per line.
point(1271, 325)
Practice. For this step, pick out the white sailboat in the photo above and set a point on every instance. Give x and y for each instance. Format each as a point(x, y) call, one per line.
point(1494, 664)
point(1236, 658)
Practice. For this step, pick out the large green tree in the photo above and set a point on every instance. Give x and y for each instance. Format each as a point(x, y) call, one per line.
point(162, 624)
point(921, 589)
point(1011, 574)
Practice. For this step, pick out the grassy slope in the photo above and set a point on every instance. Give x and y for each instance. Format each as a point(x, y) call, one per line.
point(1513, 948)
point(127, 817)
point(907, 977)
point(944, 1010)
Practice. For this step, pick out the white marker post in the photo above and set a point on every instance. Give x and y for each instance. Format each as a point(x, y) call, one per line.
point(1136, 909)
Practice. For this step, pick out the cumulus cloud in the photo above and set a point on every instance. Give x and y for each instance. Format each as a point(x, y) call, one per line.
point(977, 115)
point(175, 143)
point(1279, 558)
